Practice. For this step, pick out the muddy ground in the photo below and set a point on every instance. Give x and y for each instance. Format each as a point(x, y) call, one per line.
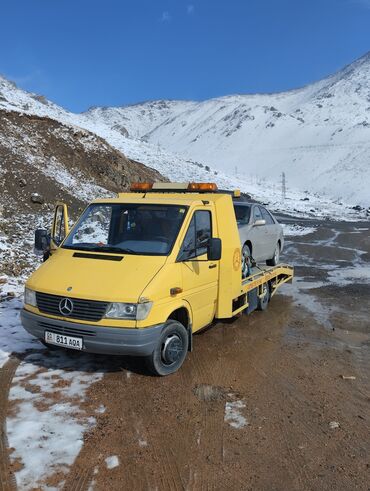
point(278, 400)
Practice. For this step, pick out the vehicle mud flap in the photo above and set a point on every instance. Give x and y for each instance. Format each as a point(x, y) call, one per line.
point(252, 301)
point(190, 333)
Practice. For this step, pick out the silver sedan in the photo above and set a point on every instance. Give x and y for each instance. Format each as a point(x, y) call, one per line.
point(261, 235)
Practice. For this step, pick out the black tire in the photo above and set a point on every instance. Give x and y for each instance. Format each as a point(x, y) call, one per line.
point(263, 302)
point(275, 258)
point(170, 351)
point(246, 261)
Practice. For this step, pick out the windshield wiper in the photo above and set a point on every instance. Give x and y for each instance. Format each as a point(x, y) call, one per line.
point(95, 248)
point(112, 249)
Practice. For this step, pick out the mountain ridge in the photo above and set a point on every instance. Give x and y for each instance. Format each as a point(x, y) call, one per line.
point(318, 135)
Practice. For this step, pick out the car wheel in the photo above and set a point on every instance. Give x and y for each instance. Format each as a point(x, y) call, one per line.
point(264, 299)
point(246, 261)
point(170, 351)
point(275, 259)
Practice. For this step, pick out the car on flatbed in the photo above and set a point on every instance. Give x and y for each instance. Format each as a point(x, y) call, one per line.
point(139, 274)
point(261, 235)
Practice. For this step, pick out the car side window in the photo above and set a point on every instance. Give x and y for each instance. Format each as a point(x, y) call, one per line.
point(257, 215)
point(242, 214)
point(197, 236)
point(266, 216)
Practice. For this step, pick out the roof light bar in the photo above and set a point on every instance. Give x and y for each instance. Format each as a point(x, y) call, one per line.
point(202, 186)
point(198, 187)
point(141, 186)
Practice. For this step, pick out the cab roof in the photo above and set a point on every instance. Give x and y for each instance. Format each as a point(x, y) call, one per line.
point(185, 193)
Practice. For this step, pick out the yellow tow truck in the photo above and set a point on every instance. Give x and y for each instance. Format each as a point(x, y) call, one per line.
point(139, 274)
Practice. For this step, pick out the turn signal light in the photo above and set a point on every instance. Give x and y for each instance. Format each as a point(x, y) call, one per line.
point(141, 186)
point(202, 186)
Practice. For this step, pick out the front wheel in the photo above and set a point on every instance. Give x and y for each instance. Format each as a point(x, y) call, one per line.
point(170, 351)
point(275, 259)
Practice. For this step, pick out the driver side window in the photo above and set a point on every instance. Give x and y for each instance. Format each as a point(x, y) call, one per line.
point(197, 236)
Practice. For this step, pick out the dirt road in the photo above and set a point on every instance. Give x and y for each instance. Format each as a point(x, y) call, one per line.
point(278, 400)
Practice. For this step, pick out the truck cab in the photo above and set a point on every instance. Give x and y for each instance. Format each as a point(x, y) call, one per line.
point(138, 274)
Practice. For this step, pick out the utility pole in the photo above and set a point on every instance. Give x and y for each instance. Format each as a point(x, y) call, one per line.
point(283, 186)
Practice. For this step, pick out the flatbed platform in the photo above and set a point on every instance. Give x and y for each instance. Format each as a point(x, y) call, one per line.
point(253, 287)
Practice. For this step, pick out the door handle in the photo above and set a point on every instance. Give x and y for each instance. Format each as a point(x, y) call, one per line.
point(211, 266)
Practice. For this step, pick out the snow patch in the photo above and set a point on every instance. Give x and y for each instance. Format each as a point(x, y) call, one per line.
point(347, 276)
point(112, 462)
point(46, 423)
point(233, 415)
point(296, 230)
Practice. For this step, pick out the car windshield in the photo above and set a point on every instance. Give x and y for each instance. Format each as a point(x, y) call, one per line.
point(242, 213)
point(127, 228)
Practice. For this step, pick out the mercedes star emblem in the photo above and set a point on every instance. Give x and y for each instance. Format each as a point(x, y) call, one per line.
point(65, 306)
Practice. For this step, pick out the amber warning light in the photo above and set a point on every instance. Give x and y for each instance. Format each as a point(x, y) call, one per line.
point(141, 186)
point(200, 187)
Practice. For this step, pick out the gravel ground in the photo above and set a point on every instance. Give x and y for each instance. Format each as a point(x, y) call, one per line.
point(275, 400)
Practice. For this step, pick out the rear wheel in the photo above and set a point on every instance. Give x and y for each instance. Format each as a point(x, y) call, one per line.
point(170, 351)
point(246, 261)
point(275, 259)
point(264, 299)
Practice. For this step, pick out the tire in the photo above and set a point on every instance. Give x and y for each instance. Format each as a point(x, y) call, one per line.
point(170, 351)
point(246, 261)
point(275, 258)
point(263, 302)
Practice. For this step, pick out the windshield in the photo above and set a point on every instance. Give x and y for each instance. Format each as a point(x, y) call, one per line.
point(242, 213)
point(127, 228)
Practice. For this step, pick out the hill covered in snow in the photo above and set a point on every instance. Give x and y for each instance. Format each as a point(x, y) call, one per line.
point(318, 135)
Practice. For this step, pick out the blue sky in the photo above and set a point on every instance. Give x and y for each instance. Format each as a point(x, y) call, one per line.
point(81, 53)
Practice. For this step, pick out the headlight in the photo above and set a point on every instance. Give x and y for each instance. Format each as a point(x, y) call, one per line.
point(134, 311)
point(30, 297)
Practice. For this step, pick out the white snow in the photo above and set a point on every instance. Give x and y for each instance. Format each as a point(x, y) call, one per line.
point(112, 462)
point(233, 415)
point(346, 276)
point(13, 338)
point(46, 424)
point(296, 230)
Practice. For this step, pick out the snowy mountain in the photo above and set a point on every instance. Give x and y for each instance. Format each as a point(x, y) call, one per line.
point(318, 135)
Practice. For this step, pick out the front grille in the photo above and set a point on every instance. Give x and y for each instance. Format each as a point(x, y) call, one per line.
point(87, 310)
point(69, 331)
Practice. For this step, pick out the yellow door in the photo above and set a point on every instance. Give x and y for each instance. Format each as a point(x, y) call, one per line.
point(199, 275)
point(59, 228)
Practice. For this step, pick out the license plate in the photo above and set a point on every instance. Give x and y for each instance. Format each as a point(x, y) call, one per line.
point(62, 340)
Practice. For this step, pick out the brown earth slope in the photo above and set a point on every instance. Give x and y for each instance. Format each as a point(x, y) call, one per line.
point(38, 154)
point(43, 161)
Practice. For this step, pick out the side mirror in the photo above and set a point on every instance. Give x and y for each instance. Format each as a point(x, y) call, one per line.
point(258, 223)
point(214, 249)
point(42, 240)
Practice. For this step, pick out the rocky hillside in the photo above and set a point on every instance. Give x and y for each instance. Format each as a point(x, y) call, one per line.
point(43, 161)
point(59, 162)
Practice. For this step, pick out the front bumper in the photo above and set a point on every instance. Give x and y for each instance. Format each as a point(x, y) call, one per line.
point(96, 339)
